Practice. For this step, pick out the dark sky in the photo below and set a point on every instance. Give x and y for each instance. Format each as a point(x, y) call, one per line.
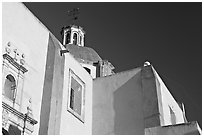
point(169, 35)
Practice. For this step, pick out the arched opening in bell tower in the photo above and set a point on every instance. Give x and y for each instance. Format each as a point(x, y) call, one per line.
point(73, 35)
point(68, 38)
point(75, 38)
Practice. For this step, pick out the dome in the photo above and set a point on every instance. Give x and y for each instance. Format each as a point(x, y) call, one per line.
point(85, 53)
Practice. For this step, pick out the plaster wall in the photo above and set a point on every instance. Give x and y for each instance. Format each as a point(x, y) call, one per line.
point(69, 123)
point(128, 107)
point(117, 104)
point(26, 32)
point(126, 102)
point(167, 102)
point(150, 98)
point(52, 89)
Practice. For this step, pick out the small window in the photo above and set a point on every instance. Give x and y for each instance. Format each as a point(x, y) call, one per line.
point(88, 70)
point(9, 87)
point(76, 99)
point(75, 39)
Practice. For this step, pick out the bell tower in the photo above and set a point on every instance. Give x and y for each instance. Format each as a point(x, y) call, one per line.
point(73, 34)
point(73, 39)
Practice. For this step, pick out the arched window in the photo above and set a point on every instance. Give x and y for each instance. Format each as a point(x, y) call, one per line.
point(75, 39)
point(9, 87)
point(67, 38)
point(13, 130)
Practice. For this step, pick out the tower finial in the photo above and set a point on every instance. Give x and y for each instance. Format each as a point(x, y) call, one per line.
point(73, 14)
point(147, 63)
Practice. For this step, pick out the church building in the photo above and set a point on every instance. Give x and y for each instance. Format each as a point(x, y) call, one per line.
point(52, 87)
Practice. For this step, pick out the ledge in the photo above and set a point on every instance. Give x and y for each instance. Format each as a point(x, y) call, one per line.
point(14, 63)
point(190, 128)
point(19, 114)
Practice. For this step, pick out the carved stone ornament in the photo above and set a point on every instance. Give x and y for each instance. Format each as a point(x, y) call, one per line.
point(15, 57)
point(15, 53)
point(29, 108)
point(5, 118)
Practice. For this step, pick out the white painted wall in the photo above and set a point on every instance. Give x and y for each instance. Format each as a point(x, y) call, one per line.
point(69, 123)
point(167, 100)
point(27, 33)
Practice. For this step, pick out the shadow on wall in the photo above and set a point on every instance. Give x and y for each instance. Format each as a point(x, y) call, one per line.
point(125, 103)
point(128, 107)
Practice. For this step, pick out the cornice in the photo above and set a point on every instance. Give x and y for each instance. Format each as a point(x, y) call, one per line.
point(14, 63)
point(19, 114)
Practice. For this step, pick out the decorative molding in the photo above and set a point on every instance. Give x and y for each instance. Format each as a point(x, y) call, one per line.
point(19, 114)
point(14, 63)
point(5, 117)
